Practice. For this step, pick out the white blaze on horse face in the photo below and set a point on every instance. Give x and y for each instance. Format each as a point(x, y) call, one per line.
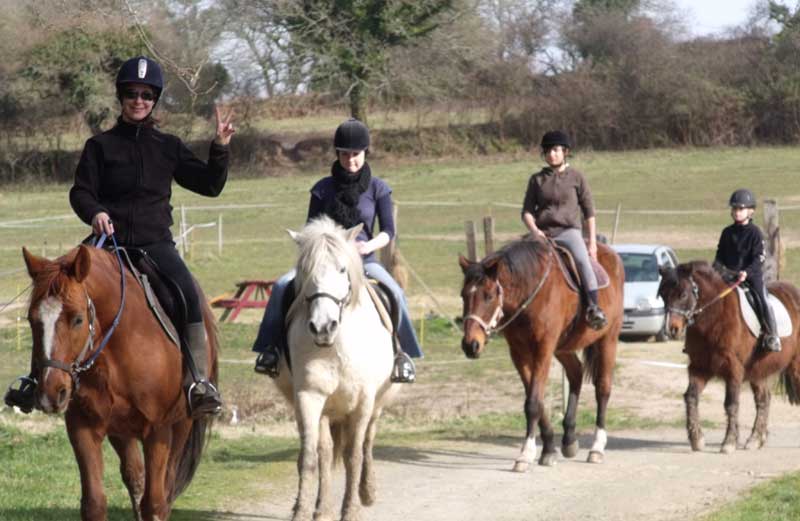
point(49, 311)
point(324, 311)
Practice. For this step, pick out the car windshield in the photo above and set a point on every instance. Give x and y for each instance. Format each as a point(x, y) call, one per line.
point(640, 267)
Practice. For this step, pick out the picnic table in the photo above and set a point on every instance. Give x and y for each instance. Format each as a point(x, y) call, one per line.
point(249, 294)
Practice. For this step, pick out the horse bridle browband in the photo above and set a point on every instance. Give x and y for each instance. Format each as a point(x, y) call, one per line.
point(77, 366)
point(491, 327)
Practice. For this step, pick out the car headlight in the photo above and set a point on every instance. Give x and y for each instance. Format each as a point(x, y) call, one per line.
point(643, 304)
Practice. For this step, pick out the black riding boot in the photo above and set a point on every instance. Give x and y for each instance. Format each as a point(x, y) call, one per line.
point(204, 398)
point(267, 361)
point(594, 315)
point(770, 340)
point(22, 397)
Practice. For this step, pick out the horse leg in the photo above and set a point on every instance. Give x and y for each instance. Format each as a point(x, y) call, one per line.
point(87, 445)
point(691, 398)
point(325, 510)
point(132, 469)
point(533, 372)
point(367, 488)
point(602, 368)
point(308, 411)
point(354, 458)
point(761, 395)
point(572, 368)
point(732, 390)
point(157, 445)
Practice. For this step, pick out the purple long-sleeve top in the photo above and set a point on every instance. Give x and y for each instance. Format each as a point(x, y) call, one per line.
point(376, 201)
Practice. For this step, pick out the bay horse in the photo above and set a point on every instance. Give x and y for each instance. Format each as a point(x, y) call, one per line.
point(719, 344)
point(129, 391)
point(544, 319)
point(341, 360)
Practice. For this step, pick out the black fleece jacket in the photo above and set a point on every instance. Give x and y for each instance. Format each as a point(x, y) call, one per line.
point(127, 172)
point(741, 248)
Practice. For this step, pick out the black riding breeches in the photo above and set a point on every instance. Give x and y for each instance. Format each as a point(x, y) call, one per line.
point(759, 292)
point(171, 265)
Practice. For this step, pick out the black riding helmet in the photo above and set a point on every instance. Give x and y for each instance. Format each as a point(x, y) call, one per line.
point(352, 135)
point(555, 138)
point(140, 70)
point(742, 198)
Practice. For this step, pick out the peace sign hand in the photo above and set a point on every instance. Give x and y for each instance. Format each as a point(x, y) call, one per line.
point(224, 127)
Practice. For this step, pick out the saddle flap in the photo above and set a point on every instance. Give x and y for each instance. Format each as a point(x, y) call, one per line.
point(386, 305)
point(570, 270)
point(782, 318)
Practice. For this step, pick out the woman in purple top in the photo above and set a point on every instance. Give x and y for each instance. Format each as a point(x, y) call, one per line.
point(349, 196)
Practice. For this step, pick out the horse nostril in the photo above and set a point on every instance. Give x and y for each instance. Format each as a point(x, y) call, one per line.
point(312, 328)
point(62, 396)
point(332, 327)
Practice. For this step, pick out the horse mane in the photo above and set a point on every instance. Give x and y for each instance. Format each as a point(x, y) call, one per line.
point(53, 278)
point(523, 258)
point(701, 268)
point(320, 242)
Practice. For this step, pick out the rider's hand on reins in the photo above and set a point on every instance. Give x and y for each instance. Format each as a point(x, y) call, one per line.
point(101, 224)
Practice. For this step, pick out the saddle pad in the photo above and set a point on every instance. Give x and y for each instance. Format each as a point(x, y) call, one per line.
point(570, 271)
point(782, 319)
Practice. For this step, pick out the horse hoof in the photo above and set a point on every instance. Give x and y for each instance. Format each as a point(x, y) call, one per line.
point(520, 466)
point(728, 448)
point(698, 444)
point(754, 443)
point(595, 457)
point(570, 451)
point(548, 460)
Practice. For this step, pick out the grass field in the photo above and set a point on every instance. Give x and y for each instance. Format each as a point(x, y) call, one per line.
point(434, 199)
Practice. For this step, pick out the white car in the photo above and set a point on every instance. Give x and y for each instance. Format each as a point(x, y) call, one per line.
point(644, 309)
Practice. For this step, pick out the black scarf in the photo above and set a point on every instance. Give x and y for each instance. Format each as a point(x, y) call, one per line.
point(343, 208)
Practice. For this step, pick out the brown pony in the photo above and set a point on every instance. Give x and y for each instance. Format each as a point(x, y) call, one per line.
point(719, 343)
point(544, 318)
point(133, 390)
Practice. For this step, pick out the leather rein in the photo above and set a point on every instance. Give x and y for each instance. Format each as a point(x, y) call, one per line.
point(690, 313)
point(77, 366)
point(491, 326)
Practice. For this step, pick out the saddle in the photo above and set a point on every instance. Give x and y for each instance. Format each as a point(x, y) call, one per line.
point(164, 297)
point(570, 270)
point(747, 307)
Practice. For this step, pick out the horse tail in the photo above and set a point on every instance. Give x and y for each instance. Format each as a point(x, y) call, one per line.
point(591, 366)
point(189, 459)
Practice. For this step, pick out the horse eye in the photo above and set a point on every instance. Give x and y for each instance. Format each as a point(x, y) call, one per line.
point(487, 297)
point(77, 321)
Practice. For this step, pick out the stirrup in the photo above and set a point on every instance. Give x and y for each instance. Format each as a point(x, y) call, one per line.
point(595, 317)
point(203, 399)
point(267, 363)
point(22, 397)
point(403, 370)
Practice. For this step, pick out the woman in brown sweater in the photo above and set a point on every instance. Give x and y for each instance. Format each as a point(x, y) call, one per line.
point(556, 199)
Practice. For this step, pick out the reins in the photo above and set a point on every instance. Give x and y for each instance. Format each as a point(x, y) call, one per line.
point(491, 327)
point(690, 314)
point(77, 367)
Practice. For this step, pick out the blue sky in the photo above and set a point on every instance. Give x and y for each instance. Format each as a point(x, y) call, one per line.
point(713, 16)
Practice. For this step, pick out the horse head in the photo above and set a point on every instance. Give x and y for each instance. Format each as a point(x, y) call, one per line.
point(482, 297)
point(62, 320)
point(330, 275)
point(681, 289)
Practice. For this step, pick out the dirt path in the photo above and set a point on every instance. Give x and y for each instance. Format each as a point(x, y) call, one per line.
point(648, 474)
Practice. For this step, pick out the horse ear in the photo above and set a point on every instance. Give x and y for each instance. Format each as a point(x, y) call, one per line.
point(665, 271)
point(490, 266)
point(464, 263)
point(81, 264)
point(353, 232)
point(294, 235)
point(33, 263)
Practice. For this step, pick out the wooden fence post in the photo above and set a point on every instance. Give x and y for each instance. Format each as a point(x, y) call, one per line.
point(773, 247)
point(616, 223)
point(472, 231)
point(488, 234)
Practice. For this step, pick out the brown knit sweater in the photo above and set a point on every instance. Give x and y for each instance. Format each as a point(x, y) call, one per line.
point(557, 200)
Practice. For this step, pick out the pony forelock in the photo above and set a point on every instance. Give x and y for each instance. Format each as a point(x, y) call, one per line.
point(322, 242)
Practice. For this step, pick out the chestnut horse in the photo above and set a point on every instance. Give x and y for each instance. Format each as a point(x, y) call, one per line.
point(131, 392)
point(719, 344)
point(544, 318)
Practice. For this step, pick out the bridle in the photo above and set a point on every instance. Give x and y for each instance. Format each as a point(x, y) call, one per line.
point(79, 365)
point(491, 326)
point(341, 303)
point(690, 313)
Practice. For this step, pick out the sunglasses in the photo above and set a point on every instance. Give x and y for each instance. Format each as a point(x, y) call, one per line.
point(146, 95)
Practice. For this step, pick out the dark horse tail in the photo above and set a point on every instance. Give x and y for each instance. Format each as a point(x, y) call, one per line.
point(189, 459)
point(790, 376)
point(591, 368)
point(790, 384)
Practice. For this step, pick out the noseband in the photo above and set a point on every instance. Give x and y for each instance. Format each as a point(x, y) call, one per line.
point(491, 327)
point(340, 302)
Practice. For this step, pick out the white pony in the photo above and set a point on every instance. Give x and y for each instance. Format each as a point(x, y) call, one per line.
point(341, 360)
